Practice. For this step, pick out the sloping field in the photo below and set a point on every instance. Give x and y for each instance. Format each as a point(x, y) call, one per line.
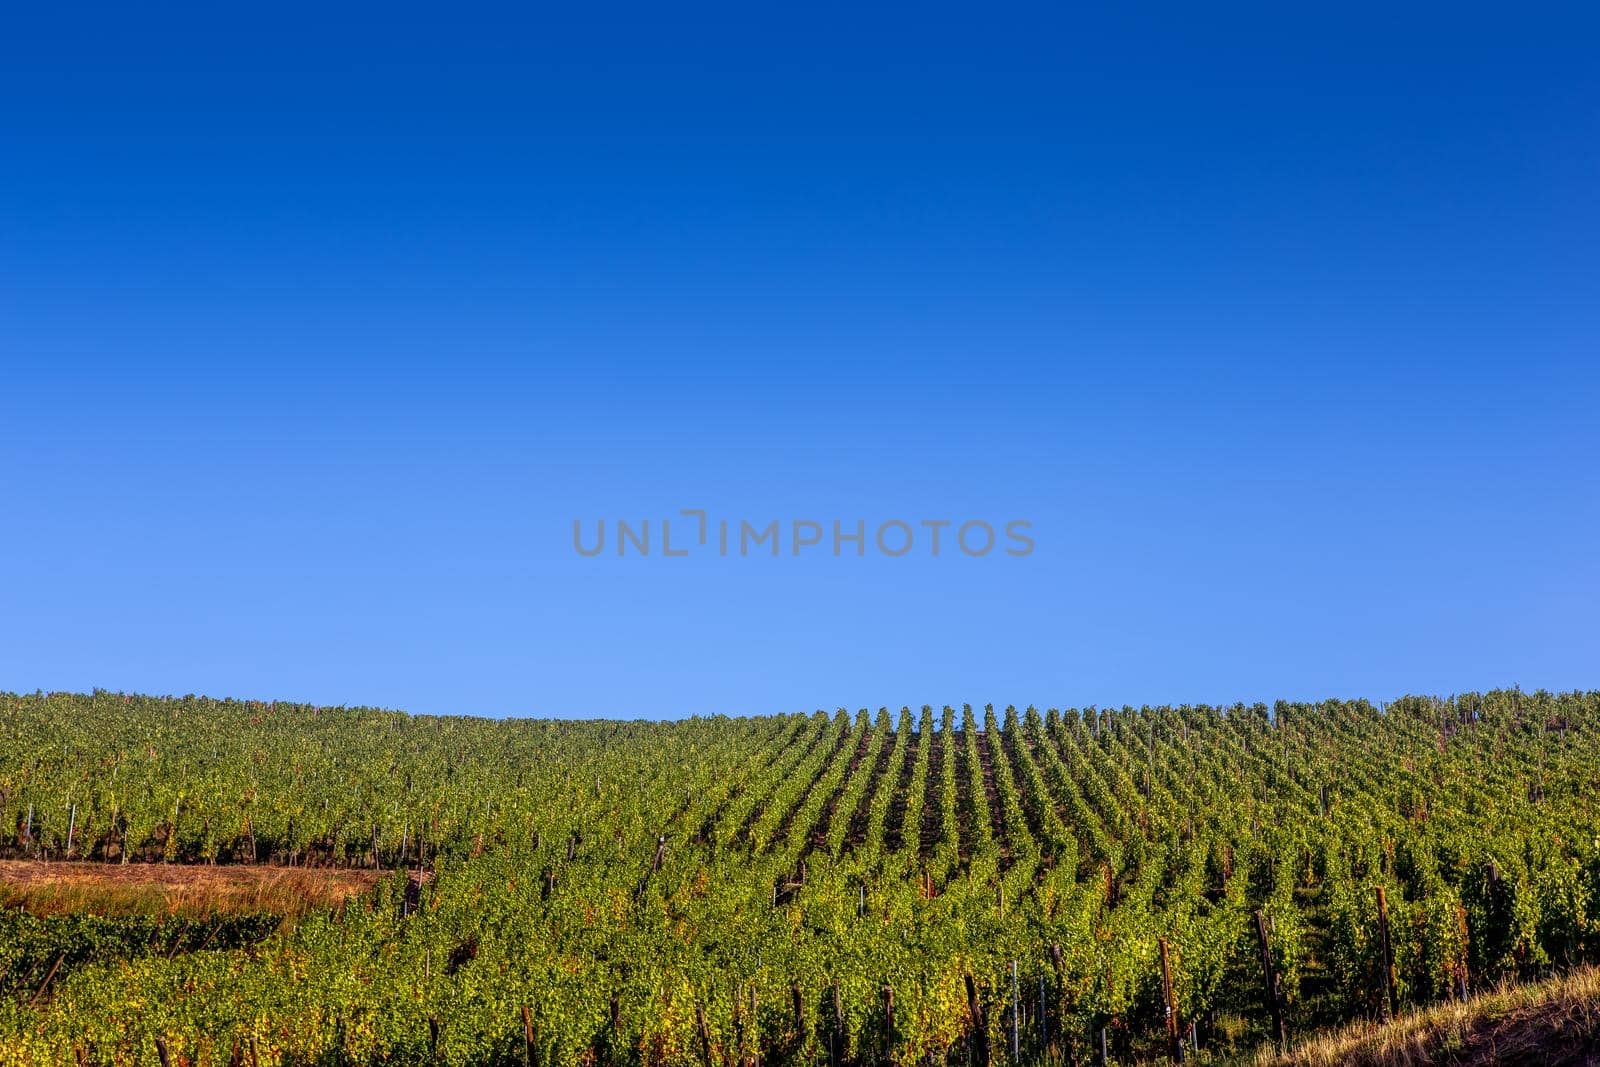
point(934, 886)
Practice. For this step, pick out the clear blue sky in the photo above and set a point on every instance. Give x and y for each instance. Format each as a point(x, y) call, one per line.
point(319, 327)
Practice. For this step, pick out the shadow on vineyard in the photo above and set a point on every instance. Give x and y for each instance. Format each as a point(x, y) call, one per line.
point(939, 886)
point(37, 951)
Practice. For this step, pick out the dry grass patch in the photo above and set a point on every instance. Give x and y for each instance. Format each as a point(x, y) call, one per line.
point(1551, 1024)
point(175, 889)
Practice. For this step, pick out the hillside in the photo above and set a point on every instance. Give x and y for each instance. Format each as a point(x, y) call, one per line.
point(938, 886)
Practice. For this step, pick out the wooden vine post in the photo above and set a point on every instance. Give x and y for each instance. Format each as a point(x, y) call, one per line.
point(1174, 1042)
point(54, 967)
point(1060, 990)
point(1391, 993)
point(980, 1027)
point(1269, 979)
point(888, 1021)
point(705, 1035)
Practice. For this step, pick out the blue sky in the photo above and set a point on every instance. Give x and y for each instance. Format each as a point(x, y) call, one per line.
point(319, 330)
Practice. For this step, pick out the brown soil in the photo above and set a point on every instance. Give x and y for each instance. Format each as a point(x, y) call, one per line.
point(932, 827)
point(776, 781)
point(817, 836)
point(997, 825)
point(894, 825)
point(856, 831)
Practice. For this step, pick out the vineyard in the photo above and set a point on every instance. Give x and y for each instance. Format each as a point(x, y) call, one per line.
point(933, 886)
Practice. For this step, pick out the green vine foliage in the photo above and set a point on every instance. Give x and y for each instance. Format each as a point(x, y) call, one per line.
point(796, 888)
